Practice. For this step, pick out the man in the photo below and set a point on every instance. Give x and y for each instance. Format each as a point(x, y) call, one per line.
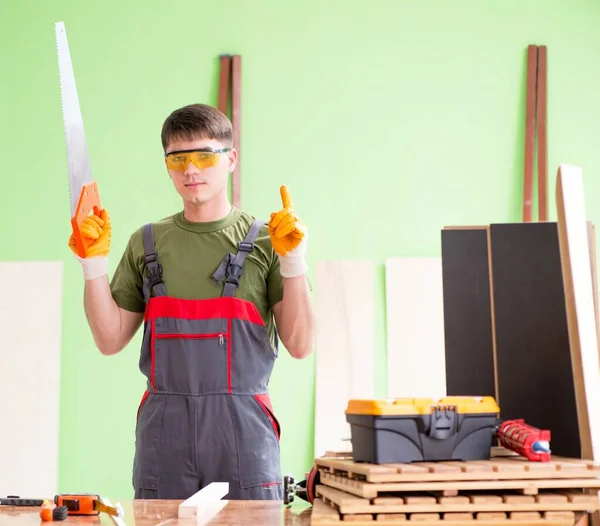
point(206, 283)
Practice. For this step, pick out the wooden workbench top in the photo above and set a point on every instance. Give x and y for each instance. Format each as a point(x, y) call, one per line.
point(164, 513)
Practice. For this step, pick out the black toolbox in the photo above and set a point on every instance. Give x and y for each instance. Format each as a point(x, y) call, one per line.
point(422, 429)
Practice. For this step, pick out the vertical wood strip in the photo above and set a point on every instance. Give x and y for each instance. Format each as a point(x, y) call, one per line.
point(542, 135)
point(529, 132)
point(236, 119)
point(224, 78)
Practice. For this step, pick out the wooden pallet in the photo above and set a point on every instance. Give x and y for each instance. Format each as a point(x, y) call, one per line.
point(324, 515)
point(471, 502)
point(512, 467)
point(370, 490)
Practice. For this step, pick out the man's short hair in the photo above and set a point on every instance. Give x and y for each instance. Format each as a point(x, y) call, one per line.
point(197, 121)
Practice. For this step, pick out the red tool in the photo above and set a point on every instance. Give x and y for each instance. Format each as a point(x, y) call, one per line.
point(526, 440)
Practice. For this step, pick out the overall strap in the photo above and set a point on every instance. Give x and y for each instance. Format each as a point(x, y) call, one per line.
point(231, 265)
point(153, 282)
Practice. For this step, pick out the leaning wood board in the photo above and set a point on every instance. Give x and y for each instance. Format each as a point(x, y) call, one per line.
point(30, 353)
point(415, 328)
point(468, 331)
point(578, 277)
point(535, 377)
point(581, 316)
point(344, 347)
point(323, 514)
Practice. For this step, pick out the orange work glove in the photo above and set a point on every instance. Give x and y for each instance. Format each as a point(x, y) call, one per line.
point(99, 229)
point(288, 237)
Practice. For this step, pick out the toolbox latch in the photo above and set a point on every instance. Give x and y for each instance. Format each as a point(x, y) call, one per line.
point(444, 422)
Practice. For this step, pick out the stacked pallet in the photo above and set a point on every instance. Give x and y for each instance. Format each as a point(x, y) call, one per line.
point(507, 489)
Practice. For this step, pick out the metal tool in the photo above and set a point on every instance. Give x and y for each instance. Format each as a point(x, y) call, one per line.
point(83, 190)
point(305, 489)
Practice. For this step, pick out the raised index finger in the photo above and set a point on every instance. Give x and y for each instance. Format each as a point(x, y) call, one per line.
point(286, 198)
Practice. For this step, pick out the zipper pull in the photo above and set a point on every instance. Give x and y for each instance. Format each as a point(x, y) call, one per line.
point(220, 339)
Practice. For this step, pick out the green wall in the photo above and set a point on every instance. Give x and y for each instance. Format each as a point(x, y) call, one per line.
point(387, 120)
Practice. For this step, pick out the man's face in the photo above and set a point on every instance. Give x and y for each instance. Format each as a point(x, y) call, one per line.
point(198, 185)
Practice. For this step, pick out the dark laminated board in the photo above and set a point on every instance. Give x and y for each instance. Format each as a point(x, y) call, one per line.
point(535, 378)
point(467, 312)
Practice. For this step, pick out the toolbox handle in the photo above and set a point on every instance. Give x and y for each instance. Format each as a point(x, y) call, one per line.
point(443, 423)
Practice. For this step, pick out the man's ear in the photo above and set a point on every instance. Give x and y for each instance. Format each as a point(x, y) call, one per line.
point(231, 159)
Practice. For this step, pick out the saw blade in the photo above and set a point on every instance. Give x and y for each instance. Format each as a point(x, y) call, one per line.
point(79, 168)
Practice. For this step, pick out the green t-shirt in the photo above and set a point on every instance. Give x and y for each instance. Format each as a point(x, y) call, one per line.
point(190, 253)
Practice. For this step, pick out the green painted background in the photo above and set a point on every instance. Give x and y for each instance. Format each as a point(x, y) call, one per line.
point(387, 120)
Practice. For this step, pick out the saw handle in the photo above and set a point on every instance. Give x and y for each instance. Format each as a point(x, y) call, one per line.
point(89, 200)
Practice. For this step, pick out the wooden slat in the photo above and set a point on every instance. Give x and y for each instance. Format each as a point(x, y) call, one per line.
point(236, 120)
point(542, 135)
point(532, 53)
point(224, 81)
point(468, 331)
point(592, 244)
point(415, 328)
point(345, 346)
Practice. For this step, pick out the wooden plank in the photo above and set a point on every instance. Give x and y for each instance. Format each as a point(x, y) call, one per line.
point(468, 331)
point(415, 328)
point(224, 81)
point(579, 294)
point(236, 119)
point(535, 379)
point(579, 290)
point(345, 346)
point(592, 244)
point(30, 354)
point(532, 53)
point(542, 135)
point(207, 501)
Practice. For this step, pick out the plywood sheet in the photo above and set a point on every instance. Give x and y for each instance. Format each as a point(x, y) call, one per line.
point(30, 324)
point(579, 295)
point(345, 347)
point(535, 379)
point(468, 330)
point(415, 328)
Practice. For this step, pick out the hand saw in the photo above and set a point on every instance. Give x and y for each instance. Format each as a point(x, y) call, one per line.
point(83, 191)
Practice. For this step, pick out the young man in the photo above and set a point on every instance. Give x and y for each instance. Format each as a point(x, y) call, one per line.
point(206, 283)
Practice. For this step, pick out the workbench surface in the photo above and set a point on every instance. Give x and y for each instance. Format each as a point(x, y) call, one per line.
point(164, 513)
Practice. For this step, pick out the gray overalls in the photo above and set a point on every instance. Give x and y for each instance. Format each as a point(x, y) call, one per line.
point(206, 415)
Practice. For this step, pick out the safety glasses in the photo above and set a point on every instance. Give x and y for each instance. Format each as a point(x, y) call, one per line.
point(203, 158)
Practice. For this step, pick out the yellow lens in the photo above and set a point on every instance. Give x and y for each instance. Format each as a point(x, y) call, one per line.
point(204, 159)
point(180, 161)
